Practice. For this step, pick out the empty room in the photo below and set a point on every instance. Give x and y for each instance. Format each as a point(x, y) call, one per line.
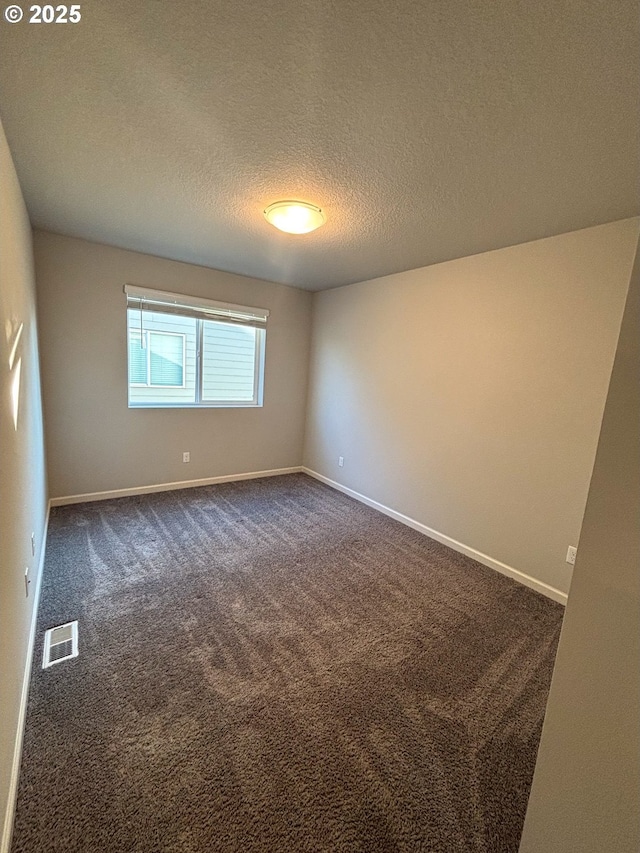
point(319, 427)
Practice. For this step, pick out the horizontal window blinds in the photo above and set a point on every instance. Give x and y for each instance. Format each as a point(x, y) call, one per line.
point(146, 299)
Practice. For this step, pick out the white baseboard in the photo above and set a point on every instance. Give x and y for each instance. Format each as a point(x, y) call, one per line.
point(7, 830)
point(485, 559)
point(168, 487)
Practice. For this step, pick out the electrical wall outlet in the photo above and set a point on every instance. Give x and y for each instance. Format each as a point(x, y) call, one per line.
point(340, 461)
point(27, 581)
point(186, 456)
point(571, 554)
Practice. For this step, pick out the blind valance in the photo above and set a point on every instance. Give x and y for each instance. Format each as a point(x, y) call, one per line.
point(145, 299)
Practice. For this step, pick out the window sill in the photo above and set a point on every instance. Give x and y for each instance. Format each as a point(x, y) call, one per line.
point(195, 406)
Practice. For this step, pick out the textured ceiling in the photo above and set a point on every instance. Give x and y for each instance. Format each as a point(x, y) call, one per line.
point(426, 130)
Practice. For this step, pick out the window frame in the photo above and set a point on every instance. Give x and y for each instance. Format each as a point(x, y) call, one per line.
point(257, 398)
point(258, 371)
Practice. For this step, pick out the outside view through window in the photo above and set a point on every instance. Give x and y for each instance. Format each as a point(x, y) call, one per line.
point(176, 360)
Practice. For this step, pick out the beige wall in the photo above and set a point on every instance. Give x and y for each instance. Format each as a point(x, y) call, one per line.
point(469, 395)
point(22, 477)
point(585, 794)
point(94, 441)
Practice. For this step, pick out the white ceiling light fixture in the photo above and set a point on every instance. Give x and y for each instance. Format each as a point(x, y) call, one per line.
point(295, 217)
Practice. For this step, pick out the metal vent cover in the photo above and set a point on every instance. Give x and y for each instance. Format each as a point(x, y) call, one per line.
point(60, 643)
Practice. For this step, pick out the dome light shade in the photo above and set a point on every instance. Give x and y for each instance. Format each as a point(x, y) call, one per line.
point(295, 217)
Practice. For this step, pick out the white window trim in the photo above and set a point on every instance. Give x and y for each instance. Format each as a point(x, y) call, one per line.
point(257, 318)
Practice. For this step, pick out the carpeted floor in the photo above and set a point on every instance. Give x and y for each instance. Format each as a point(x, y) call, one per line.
point(271, 666)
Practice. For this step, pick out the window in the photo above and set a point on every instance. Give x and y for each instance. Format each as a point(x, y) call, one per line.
point(184, 351)
point(156, 359)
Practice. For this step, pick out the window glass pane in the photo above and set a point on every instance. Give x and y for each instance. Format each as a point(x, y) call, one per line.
point(171, 340)
point(166, 354)
point(189, 361)
point(228, 362)
point(137, 359)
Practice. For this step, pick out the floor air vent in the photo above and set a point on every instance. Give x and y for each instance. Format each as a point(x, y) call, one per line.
point(60, 643)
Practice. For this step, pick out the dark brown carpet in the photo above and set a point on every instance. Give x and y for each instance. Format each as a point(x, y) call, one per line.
point(271, 666)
